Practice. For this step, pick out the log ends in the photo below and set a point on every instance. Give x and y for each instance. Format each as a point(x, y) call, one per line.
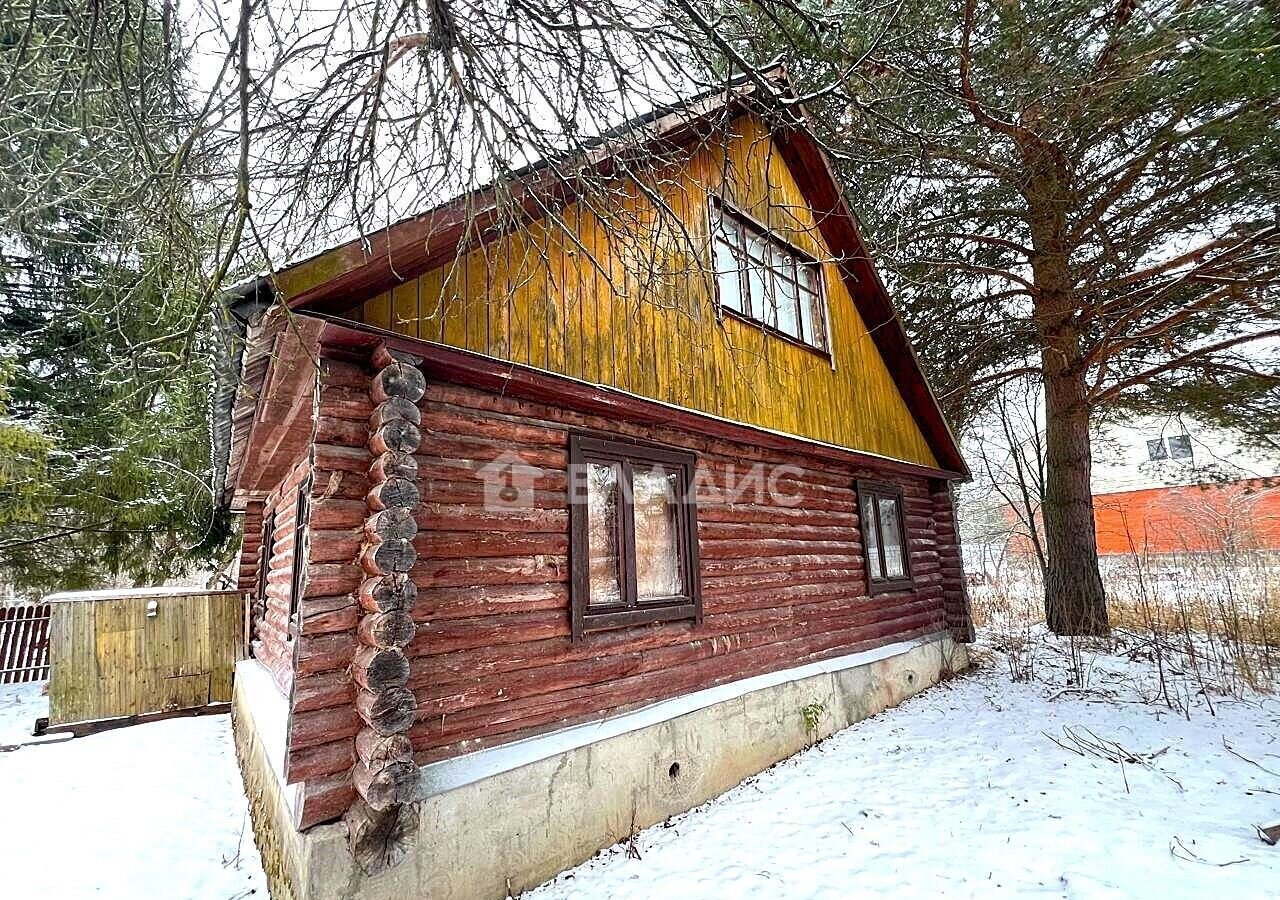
point(394, 493)
point(386, 784)
point(377, 668)
point(388, 593)
point(389, 630)
point(394, 524)
point(381, 839)
point(384, 819)
point(388, 557)
point(396, 436)
point(399, 380)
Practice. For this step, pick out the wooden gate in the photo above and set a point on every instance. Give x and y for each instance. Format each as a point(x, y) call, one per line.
point(24, 643)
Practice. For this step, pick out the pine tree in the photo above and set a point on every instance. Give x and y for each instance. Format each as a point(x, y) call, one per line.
point(1080, 193)
point(101, 311)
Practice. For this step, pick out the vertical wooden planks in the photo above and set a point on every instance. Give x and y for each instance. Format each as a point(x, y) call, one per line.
point(589, 313)
point(406, 315)
point(110, 658)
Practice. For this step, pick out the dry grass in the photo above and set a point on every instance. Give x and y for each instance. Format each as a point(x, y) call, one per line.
point(1208, 623)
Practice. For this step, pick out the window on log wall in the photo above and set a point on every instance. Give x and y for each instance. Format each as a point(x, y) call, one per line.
point(884, 536)
point(764, 279)
point(634, 553)
point(301, 513)
point(264, 570)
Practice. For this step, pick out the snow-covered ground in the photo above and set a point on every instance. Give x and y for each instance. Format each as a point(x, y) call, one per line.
point(979, 787)
point(153, 810)
point(963, 792)
point(20, 706)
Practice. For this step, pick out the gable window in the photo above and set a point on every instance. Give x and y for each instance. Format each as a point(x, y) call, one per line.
point(884, 536)
point(764, 279)
point(1176, 446)
point(634, 547)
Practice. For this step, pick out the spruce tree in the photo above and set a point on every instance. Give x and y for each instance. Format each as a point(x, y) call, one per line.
point(102, 325)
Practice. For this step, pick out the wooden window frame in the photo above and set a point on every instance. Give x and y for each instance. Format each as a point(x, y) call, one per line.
point(302, 512)
point(887, 491)
point(587, 448)
point(719, 208)
point(264, 572)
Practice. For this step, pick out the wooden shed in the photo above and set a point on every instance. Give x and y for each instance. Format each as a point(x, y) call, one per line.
point(579, 491)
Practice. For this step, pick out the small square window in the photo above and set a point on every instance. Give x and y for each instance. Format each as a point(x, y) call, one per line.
point(634, 547)
point(1156, 450)
point(1180, 446)
point(884, 537)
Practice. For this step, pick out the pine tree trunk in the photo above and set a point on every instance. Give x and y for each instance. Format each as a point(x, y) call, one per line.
point(1073, 597)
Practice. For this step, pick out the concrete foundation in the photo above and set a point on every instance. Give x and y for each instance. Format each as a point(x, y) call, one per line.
point(502, 821)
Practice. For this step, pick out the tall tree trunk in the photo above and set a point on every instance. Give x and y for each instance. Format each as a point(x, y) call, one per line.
point(1073, 597)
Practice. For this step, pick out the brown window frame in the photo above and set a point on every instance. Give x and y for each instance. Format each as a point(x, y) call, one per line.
point(745, 225)
point(301, 513)
point(264, 572)
point(884, 490)
point(586, 448)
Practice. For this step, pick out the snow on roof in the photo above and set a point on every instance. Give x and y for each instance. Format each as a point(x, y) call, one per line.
point(126, 593)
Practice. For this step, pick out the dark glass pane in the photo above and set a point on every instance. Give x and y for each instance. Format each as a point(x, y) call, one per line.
point(655, 494)
point(870, 535)
point(1180, 446)
point(603, 564)
point(891, 535)
point(1156, 450)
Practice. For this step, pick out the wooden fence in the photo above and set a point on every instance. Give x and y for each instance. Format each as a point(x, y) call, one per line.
point(24, 643)
point(134, 653)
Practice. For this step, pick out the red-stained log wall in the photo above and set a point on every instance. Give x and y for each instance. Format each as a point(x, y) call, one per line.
point(272, 641)
point(783, 583)
point(250, 547)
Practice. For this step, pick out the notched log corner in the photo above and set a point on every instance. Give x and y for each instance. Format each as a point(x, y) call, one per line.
point(380, 840)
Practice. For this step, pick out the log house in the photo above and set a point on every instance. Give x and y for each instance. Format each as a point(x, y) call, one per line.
point(507, 477)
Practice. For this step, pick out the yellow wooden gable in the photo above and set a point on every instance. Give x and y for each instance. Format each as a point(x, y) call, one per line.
point(616, 289)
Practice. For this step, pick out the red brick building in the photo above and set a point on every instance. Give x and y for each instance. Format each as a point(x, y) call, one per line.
point(1233, 515)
